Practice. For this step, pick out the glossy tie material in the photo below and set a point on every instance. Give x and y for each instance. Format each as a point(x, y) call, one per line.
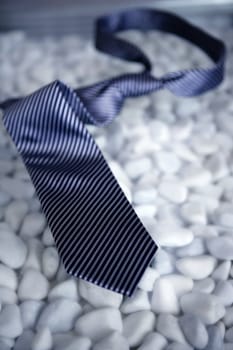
point(97, 233)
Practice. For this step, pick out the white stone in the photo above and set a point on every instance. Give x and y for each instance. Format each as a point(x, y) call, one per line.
point(208, 202)
point(98, 296)
point(180, 284)
point(99, 323)
point(181, 130)
point(15, 213)
point(12, 249)
point(145, 210)
point(206, 285)
point(148, 279)
point(168, 162)
point(7, 296)
point(169, 327)
point(222, 271)
point(24, 341)
point(159, 131)
point(42, 340)
point(164, 298)
point(215, 338)
point(4, 198)
point(145, 196)
point(30, 310)
point(196, 267)
point(50, 262)
point(59, 315)
point(47, 238)
point(217, 165)
point(174, 191)
point(164, 262)
point(137, 325)
point(204, 306)
point(194, 176)
point(184, 152)
point(228, 318)
point(138, 302)
point(196, 247)
point(178, 346)
point(220, 247)
point(66, 289)
point(194, 331)
point(204, 145)
point(229, 335)
point(137, 167)
point(10, 321)
point(70, 342)
point(8, 277)
point(153, 341)
point(33, 285)
point(204, 231)
point(113, 341)
point(194, 213)
point(35, 249)
point(33, 225)
point(224, 292)
point(17, 188)
point(168, 235)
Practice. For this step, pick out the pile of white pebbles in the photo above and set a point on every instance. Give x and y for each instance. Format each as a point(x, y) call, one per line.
point(174, 159)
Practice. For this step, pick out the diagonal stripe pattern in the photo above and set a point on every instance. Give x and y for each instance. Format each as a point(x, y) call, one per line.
point(97, 233)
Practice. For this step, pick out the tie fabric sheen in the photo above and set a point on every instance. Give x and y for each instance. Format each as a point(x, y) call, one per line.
point(97, 233)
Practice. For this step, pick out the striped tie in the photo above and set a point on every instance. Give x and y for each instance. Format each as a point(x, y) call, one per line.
point(97, 233)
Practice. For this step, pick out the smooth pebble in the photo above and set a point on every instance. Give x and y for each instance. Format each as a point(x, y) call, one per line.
point(196, 267)
point(89, 324)
point(137, 325)
point(33, 285)
point(205, 306)
point(98, 296)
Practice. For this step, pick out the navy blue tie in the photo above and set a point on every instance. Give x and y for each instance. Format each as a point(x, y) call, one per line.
point(97, 233)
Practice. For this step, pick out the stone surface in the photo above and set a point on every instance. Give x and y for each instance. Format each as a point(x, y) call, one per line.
point(221, 247)
point(137, 325)
point(113, 341)
point(67, 289)
point(194, 330)
point(59, 315)
point(97, 296)
point(168, 235)
point(153, 341)
point(24, 341)
point(89, 325)
point(224, 292)
point(50, 262)
point(10, 321)
point(33, 285)
point(174, 191)
point(206, 307)
point(138, 302)
point(33, 225)
point(30, 310)
point(148, 279)
point(12, 249)
point(8, 277)
point(168, 326)
point(196, 267)
point(42, 340)
point(164, 298)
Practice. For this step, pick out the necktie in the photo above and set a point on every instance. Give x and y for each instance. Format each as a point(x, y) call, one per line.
point(97, 233)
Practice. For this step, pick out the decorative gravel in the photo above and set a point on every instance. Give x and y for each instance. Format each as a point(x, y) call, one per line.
point(174, 160)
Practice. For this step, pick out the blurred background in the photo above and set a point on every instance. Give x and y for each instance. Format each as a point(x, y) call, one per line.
point(63, 17)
